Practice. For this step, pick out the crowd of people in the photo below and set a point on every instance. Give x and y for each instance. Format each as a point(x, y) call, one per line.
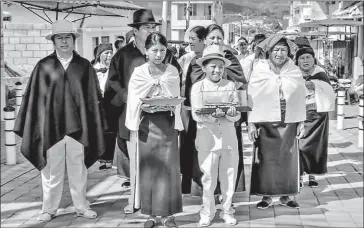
point(75, 113)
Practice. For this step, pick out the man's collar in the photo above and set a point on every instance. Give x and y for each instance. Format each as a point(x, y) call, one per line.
point(59, 57)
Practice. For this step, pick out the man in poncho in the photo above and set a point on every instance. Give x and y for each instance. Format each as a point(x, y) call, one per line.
point(61, 123)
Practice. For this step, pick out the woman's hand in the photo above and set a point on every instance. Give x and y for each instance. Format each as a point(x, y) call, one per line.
point(218, 113)
point(252, 132)
point(232, 112)
point(300, 130)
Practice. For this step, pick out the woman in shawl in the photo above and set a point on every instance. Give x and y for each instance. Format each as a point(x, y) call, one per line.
point(213, 34)
point(320, 99)
point(277, 92)
point(154, 134)
point(101, 64)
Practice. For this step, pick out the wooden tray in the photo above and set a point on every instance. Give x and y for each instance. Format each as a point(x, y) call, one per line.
point(163, 101)
point(211, 110)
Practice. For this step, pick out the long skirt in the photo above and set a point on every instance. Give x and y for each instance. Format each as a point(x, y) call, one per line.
point(314, 145)
point(275, 168)
point(160, 181)
point(190, 169)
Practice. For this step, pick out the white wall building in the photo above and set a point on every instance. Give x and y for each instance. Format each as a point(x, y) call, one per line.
point(202, 13)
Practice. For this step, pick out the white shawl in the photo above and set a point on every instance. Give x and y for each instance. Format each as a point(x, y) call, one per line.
point(263, 90)
point(185, 61)
point(324, 93)
point(141, 82)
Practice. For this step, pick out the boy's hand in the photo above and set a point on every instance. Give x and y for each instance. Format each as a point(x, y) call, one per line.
point(253, 133)
point(232, 112)
point(218, 113)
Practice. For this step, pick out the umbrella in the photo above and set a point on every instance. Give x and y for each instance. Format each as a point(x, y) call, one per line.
point(84, 8)
point(288, 32)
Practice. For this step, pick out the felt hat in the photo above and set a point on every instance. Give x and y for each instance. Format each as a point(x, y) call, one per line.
point(103, 47)
point(143, 16)
point(62, 27)
point(213, 52)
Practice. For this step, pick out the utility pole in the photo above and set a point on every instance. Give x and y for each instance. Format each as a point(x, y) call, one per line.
point(166, 19)
point(187, 14)
point(2, 64)
point(217, 12)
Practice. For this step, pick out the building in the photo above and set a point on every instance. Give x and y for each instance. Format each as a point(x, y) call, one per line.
point(344, 51)
point(201, 13)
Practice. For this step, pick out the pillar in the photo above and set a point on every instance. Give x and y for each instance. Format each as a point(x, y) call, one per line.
point(166, 19)
point(10, 143)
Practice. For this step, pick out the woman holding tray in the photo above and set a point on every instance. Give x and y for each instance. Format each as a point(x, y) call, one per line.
point(154, 133)
point(213, 34)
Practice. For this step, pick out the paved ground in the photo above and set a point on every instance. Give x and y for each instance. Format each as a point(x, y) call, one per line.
point(337, 202)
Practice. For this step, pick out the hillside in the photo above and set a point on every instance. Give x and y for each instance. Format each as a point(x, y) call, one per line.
point(274, 9)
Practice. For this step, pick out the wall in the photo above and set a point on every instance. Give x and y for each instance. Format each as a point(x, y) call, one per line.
point(25, 44)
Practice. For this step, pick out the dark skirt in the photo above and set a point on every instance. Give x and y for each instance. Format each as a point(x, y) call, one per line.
point(160, 181)
point(275, 169)
point(314, 145)
point(190, 169)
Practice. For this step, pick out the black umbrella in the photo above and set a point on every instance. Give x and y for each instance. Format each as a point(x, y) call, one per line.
point(84, 8)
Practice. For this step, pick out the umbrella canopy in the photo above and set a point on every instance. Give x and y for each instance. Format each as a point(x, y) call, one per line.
point(84, 8)
point(330, 23)
point(288, 32)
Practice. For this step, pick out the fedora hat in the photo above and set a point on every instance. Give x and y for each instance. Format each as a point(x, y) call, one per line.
point(213, 52)
point(143, 16)
point(61, 27)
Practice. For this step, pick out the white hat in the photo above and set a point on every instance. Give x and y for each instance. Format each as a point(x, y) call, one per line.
point(213, 52)
point(62, 26)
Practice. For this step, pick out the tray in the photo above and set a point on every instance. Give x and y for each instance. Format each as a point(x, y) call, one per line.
point(210, 110)
point(163, 101)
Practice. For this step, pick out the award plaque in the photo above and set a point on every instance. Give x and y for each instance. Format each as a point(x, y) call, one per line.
point(224, 99)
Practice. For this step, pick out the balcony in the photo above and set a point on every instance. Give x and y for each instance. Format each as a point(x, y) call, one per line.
point(200, 18)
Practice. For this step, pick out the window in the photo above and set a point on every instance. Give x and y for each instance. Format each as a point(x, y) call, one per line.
point(209, 12)
point(95, 42)
point(193, 9)
point(105, 39)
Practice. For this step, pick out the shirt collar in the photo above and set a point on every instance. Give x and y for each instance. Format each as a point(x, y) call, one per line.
point(64, 60)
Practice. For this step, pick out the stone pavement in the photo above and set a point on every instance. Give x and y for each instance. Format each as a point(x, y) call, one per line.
point(337, 202)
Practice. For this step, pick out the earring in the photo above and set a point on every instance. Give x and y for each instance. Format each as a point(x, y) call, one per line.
point(146, 56)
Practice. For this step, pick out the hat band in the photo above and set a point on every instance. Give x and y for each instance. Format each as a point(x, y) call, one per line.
point(214, 55)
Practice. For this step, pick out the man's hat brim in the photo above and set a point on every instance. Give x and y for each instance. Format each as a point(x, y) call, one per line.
point(143, 23)
point(76, 34)
point(203, 59)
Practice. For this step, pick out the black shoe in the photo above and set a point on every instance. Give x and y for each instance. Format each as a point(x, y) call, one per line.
point(125, 184)
point(264, 204)
point(313, 184)
point(103, 167)
point(290, 204)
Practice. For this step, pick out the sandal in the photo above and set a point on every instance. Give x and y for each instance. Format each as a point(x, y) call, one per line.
point(289, 203)
point(151, 222)
point(89, 214)
point(169, 222)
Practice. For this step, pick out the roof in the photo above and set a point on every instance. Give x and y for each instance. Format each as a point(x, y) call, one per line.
point(352, 11)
